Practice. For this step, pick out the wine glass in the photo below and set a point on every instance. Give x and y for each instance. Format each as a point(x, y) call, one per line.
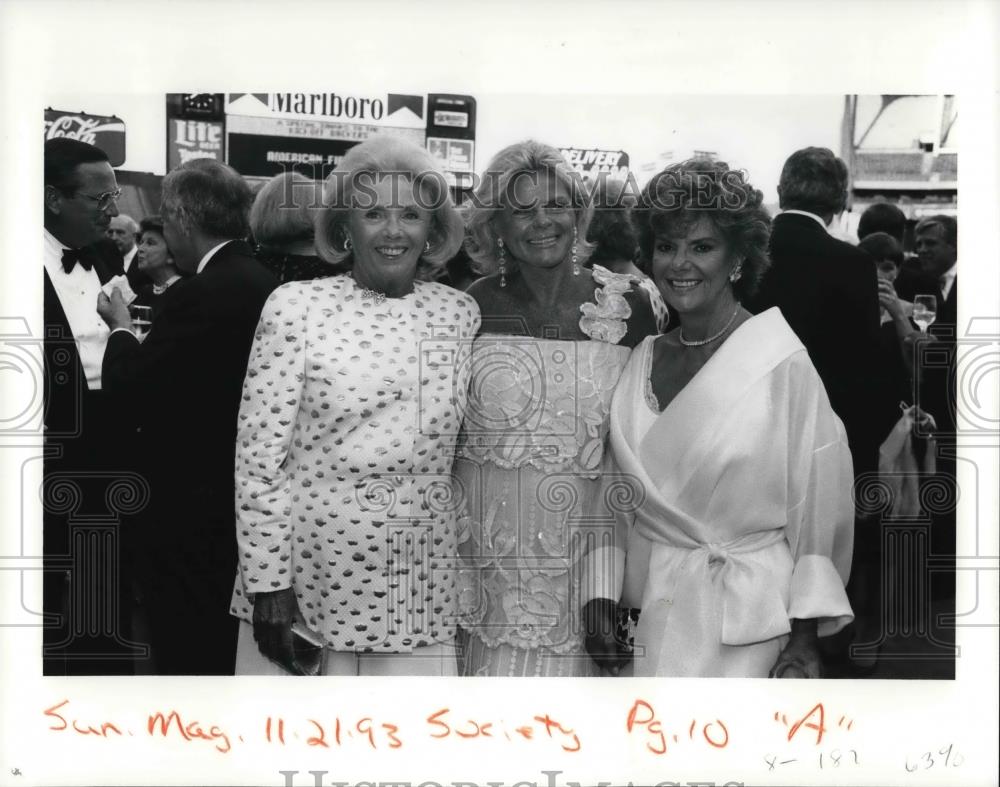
point(142, 320)
point(924, 311)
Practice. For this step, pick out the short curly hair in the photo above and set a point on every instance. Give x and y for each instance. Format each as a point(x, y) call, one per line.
point(488, 199)
point(683, 193)
point(388, 155)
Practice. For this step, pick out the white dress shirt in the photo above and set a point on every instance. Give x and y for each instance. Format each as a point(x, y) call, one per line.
point(209, 254)
point(129, 257)
point(947, 280)
point(77, 292)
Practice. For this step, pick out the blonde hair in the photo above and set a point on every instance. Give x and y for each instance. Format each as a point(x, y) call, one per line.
point(283, 210)
point(488, 199)
point(391, 155)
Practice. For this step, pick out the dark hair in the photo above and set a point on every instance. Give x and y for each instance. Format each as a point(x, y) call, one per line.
point(150, 223)
point(681, 194)
point(882, 217)
point(882, 246)
point(210, 196)
point(947, 223)
point(63, 155)
point(611, 229)
point(814, 180)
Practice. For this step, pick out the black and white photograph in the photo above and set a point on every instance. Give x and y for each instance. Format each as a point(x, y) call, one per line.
point(471, 351)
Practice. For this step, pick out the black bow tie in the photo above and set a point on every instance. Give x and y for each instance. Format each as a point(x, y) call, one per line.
point(70, 257)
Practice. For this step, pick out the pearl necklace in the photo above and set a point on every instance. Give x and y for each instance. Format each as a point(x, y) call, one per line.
point(710, 339)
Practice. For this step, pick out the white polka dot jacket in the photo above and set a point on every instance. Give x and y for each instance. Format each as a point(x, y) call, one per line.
point(347, 428)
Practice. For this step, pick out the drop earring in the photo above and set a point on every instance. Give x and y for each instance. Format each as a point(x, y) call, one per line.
point(503, 263)
point(427, 247)
point(576, 268)
point(347, 243)
point(734, 275)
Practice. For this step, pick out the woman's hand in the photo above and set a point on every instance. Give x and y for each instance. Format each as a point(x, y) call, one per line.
point(599, 619)
point(273, 614)
point(800, 657)
point(889, 300)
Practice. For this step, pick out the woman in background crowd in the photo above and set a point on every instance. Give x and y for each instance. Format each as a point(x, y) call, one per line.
point(614, 239)
point(354, 393)
point(155, 260)
point(282, 223)
point(611, 232)
point(896, 334)
point(738, 555)
point(530, 467)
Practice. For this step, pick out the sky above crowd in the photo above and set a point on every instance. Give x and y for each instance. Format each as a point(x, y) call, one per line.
point(755, 133)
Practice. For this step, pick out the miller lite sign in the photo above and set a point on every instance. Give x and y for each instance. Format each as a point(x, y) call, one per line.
point(191, 139)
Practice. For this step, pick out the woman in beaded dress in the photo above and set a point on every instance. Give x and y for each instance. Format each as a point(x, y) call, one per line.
point(354, 394)
point(531, 467)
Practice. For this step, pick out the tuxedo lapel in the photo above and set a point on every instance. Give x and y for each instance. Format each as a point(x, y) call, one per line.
point(53, 313)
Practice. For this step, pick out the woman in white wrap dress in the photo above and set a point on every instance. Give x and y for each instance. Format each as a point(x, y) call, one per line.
point(738, 556)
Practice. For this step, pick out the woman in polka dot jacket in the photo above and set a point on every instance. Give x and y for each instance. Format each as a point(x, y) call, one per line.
point(354, 394)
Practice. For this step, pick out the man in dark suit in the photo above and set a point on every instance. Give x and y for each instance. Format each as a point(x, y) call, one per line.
point(827, 290)
point(87, 632)
point(937, 252)
point(123, 233)
point(188, 376)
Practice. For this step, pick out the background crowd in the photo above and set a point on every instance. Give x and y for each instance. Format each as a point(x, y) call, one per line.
point(757, 377)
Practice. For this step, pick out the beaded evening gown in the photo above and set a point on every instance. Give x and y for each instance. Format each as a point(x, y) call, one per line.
point(538, 495)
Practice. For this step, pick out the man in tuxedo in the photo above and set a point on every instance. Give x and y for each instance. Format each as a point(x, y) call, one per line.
point(80, 194)
point(188, 375)
point(122, 232)
point(827, 290)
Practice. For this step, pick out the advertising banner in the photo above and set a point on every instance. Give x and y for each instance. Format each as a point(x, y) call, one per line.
point(268, 146)
point(590, 161)
point(191, 139)
point(107, 133)
point(397, 110)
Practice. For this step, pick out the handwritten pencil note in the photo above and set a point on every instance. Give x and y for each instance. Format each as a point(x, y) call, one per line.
point(819, 740)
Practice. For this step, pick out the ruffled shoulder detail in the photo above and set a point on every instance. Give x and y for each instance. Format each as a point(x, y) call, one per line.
point(606, 319)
